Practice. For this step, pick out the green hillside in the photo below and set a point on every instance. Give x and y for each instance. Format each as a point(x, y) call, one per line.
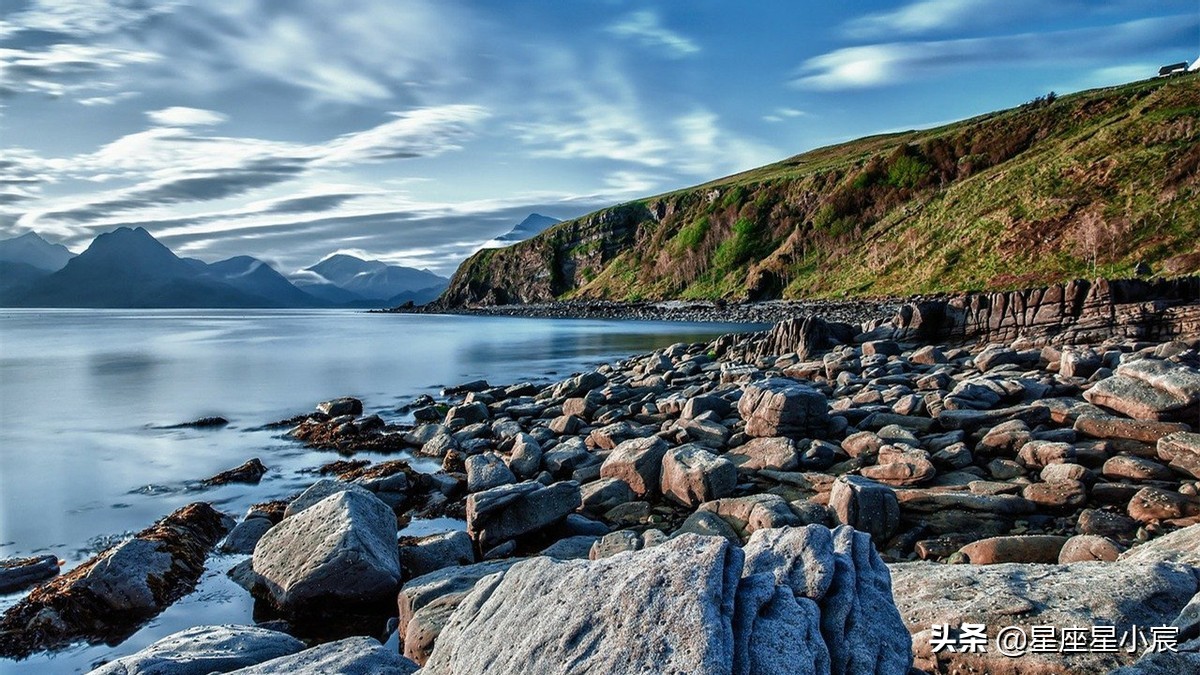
point(1088, 184)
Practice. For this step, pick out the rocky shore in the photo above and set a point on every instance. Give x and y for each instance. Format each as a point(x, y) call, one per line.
point(823, 497)
point(766, 312)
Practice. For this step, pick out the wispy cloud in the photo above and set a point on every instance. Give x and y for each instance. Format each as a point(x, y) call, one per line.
point(646, 28)
point(896, 62)
point(63, 68)
point(180, 116)
point(174, 165)
point(782, 114)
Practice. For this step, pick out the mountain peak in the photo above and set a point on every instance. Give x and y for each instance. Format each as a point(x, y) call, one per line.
point(533, 224)
point(31, 249)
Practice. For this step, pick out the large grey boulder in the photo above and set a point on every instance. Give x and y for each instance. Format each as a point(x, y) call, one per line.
point(205, 649)
point(692, 475)
point(320, 490)
point(339, 552)
point(840, 571)
point(1080, 595)
point(504, 513)
point(693, 604)
point(351, 656)
point(19, 573)
point(781, 407)
point(638, 462)
point(665, 609)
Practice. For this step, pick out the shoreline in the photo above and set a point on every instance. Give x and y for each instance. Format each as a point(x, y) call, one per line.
point(699, 311)
point(944, 458)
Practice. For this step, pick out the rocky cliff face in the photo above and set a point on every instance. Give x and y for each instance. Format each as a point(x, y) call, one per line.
point(562, 258)
point(1077, 312)
point(1100, 183)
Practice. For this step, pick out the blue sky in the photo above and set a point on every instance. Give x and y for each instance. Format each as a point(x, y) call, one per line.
point(415, 130)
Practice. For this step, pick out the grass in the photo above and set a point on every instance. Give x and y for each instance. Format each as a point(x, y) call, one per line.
point(1015, 198)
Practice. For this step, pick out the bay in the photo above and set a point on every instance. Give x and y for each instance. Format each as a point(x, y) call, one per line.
point(86, 396)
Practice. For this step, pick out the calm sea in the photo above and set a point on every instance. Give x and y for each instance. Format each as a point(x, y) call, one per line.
point(85, 395)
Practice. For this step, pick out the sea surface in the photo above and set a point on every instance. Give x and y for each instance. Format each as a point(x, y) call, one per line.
point(86, 396)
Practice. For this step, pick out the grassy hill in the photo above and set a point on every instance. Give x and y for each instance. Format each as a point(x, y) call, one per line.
point(1090, 184)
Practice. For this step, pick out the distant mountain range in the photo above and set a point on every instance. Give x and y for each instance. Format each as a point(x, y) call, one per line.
point(533, 225)
point(130, 268)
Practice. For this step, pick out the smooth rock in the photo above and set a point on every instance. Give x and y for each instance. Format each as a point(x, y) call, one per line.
point(638, 462)
point(339, 552)
point(504, 513)
point(205, 649)
point(351, 656)
point(865, 505)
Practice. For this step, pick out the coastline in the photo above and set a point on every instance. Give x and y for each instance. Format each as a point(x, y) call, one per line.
point(765, 312)
point(941, 458)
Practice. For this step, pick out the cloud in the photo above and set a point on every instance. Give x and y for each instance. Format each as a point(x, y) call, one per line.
point(174, 165)
point(781, 114)
point(179, 116)
point(88, 18)
point(63, 68)
point(645, 28)
point(419, 133)
point(895, 62)
point(927, 16)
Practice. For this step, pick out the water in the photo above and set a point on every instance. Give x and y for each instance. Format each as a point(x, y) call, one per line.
point(85, 394)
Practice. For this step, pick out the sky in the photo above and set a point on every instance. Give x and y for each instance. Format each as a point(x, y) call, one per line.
point(412, 131)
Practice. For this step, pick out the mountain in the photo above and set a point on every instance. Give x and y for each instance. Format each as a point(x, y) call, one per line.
point(1090, 184)
point(257, 278)
point(31, 249)
point(368, 279)
point(533, 225)
point(130, 268)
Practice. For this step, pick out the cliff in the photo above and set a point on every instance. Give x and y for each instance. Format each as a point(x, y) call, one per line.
point(1101, 183)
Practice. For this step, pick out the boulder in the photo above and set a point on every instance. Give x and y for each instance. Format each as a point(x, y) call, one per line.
point(1180, 547)
point(749, 514)
point(692, 474)
point(1034, 548)
point(708, 524)
point(340, 553)
point(19, 573)
point(865, 505)
point(205, 649)
point(1088, 548)
point(668, 608)
point(776, 453)
point(1127, 468)
point(466, 414)
point(685, 606)
point(571, 548)
point(526, 458)
point(351, 656)
point(638, 462)
point(842, 574)
point(901, 466)
point(111, 594)
point(1107, 524)
point(245, 535)
point(1149, 389)
point(1182, 451)
point(453, 582)
point(319, 491)
point(783, 407)
point(432, 553)
point(604, 494)
point(486, 471)
point(1155, 504)
point(612, 435)
point(1112, 427)
point(341, 406)
point(251, 471)
point(510, 511)
point(1038, 454)
point(1081, 596)
point(1056, 494)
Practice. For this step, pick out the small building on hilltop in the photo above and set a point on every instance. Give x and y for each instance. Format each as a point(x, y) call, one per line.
point(1181, 67)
